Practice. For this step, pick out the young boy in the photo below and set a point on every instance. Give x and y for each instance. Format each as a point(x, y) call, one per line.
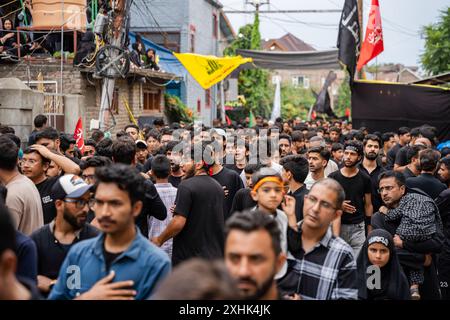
point(268, 191)
point(160, 172)
point(243, 199)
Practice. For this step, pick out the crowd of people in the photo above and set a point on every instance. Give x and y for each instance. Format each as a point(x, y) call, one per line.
point(298, 210)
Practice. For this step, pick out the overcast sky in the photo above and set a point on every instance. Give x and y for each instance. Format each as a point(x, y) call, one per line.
point(402, 21)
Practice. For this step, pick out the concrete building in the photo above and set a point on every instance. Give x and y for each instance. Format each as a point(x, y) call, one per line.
point(197, 26)
point(79, 96)
point(307, 78)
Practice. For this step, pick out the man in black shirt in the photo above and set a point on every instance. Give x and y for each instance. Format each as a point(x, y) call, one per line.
point(357, 206)
point(12, 287)
point(371, 166)
point(71, 198)
point(197, 225)
point(35, 162)
point(124, 151)
point(295, 170)
point(229, 180)
point(426, 181)
point(444, 171)
point(404, 138)
point(412, 158)
point(173, 151)
point(285, 145)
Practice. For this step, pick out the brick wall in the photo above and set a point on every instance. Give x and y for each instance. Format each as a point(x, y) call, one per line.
point(76, 83)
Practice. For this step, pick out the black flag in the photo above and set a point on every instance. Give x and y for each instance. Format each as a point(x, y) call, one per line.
point(323, 104)
point(349, 40)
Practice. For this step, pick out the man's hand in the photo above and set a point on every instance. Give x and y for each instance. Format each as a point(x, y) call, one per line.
point(383, 209)
point(145, 175)
point(398, 242)
point(156, 241)
point(225, 190)
point(43, 150)
point(105, 290)
point(294, 296)
point(44, 283)
point(288, 205)
point(428, 260)
point(347, 207)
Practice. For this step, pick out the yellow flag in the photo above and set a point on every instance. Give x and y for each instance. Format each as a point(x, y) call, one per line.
point(208, 70)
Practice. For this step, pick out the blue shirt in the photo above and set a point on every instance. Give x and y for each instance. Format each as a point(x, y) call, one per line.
point(142, 262)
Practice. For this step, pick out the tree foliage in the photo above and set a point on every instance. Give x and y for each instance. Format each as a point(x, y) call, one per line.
point(343, 99)
point(436, 58)
point(295, 102)
point(253, 83)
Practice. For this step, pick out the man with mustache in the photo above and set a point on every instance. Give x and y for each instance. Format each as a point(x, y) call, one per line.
point(120, 263)
point(318, 158)
point(324, 267)
point(372, 167)
point(253, 254)
point(71, 197)
point(173, 153)
point(357, 205)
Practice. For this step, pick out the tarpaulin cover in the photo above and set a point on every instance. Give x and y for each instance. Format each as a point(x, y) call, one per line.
point(292, 60)
point(387, 106)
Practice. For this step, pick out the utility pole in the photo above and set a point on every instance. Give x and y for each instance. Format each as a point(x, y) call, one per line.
point(113, 56)
point(361, 31)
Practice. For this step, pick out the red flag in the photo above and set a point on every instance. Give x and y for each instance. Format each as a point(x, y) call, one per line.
point(373, 42)
point(313, 115)
point(79, 135)
point(347, 112)
point(228, 120)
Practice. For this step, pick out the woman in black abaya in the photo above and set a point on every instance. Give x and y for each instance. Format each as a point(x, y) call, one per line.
point(378, 250)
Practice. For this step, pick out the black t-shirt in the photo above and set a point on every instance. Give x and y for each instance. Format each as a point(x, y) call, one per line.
point(200, 200)
point(242, 201)
point(401, 159)
point(51, 253)
point(231, 182)
point(391, 155)
point(408, 173)
point(175, 181)
point(109, 257)
point(234, 168)
point(428, 184)
point(147, 165)
point(355, 188)
point(299, 196)
point(48, 204)
point(376, 197)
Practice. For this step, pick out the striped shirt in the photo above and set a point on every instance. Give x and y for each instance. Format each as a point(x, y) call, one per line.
point(167, 193)
point(327, 272)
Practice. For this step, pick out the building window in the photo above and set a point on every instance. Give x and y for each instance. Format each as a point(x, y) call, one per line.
point(192, 40)
point(115, 102)
point(208, 98)
point(300, 81)
point(152, 100)
point(215, 26)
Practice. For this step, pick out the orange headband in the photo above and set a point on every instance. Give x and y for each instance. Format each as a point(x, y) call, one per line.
point(268, 179)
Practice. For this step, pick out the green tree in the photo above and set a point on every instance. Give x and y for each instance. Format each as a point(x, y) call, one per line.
point(295, 102)
point(436, 58)
point(344, 98)
point(253, 84)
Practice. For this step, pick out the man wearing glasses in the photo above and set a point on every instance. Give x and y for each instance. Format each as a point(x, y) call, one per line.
point(71, 197)
point(324, 267)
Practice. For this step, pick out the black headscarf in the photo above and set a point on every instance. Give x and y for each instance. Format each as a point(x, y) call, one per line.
point(394, 284)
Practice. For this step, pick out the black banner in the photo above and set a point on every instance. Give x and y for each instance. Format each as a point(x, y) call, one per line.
point(349, 40)
point(386, 107)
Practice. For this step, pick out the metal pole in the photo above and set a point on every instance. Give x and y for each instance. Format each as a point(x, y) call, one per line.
point(62, 47)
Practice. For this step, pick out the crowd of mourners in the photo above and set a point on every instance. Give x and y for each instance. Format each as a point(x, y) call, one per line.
point(290, 209)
